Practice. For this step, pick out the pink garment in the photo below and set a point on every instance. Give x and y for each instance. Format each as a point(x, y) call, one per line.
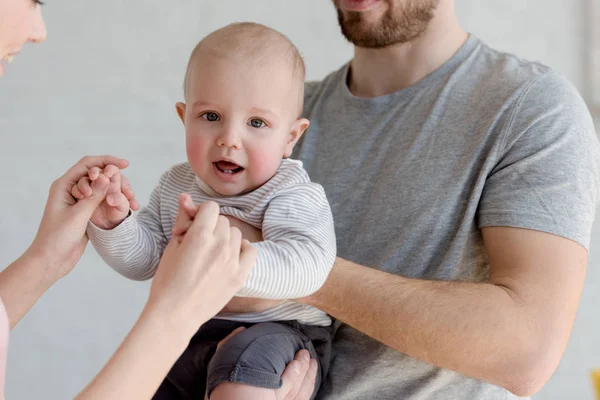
point(4, 330)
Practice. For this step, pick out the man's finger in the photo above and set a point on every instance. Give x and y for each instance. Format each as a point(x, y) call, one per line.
point(293, 376)
point(308, 384)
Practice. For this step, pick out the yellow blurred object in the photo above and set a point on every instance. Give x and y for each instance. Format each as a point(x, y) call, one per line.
point(596, 381)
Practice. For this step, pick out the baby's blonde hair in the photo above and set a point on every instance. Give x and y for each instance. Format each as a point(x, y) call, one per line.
point(251, 41)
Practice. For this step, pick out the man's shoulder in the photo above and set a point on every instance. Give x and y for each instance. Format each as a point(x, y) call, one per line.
point(527, 85)
point(505, 75)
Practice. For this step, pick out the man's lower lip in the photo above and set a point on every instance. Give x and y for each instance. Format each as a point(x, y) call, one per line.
point(357, 5)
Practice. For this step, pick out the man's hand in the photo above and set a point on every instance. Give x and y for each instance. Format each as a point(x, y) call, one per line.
point(298, 378)
point(119, 196)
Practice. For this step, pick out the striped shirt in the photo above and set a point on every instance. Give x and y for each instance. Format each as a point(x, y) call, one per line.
point(294, 259)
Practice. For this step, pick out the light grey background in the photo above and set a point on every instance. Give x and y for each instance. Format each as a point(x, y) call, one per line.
point(106, 81)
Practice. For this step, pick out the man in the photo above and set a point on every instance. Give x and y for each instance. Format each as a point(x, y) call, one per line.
point(463, 183)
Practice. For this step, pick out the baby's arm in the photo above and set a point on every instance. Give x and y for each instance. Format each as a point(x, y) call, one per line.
point(298, 248)
point(134, 247)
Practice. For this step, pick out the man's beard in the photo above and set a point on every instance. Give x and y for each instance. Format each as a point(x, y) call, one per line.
point(402, 24)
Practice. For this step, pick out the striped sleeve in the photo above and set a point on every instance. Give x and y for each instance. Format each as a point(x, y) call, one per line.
point(298, 248)
point(134, 248)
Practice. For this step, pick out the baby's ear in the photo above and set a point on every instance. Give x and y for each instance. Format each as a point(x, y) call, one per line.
point(298, 129)
point(181, 111)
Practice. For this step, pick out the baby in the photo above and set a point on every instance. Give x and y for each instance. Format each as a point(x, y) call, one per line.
point(243, 101)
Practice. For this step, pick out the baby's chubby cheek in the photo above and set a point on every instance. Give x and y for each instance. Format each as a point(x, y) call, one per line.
point(263, 168)
point(196, 152)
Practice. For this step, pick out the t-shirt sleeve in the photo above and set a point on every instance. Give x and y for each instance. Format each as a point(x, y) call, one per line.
point(548, 173)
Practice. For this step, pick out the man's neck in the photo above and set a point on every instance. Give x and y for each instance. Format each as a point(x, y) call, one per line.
point(376, 72)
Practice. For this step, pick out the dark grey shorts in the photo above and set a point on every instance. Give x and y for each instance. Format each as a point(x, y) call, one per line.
point(256, 356)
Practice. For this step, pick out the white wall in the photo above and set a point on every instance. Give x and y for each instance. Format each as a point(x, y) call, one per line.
point(106, 82)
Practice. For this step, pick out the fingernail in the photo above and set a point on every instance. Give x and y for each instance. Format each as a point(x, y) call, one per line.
point(305, 355)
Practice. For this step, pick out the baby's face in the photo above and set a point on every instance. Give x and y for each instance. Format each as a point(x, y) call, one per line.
point(240, 121)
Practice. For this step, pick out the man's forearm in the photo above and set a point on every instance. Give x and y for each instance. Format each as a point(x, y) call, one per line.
point(476, 329)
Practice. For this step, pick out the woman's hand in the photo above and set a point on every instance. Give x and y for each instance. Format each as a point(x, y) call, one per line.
point(197, 275)
point(209, 263)
point(61, 238)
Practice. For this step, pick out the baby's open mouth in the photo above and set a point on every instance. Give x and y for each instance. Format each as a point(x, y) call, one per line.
point(227, 167)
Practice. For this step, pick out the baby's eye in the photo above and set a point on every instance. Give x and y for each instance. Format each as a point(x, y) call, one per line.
point(257, 123)
point(210, 116)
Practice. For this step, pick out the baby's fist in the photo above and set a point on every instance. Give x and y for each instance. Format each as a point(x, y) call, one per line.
point(119, 196)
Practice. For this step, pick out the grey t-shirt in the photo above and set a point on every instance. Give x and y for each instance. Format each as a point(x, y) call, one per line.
point(486, 140)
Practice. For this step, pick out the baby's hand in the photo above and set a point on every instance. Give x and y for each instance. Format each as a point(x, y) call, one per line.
point(119, 196)
point(185, 216)
point(184, 221)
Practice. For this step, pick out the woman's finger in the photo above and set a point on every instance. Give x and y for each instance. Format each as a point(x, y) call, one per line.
point(235, 238)
point(183, 221)
point(222, 229)
point(205, 220)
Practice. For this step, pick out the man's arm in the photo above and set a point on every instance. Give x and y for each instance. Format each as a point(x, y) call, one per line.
point(510, 331)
